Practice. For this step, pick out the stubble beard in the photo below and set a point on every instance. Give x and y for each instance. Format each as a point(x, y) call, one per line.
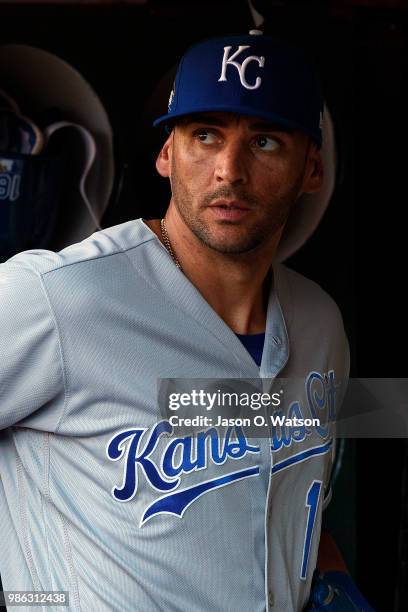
point(247, 237)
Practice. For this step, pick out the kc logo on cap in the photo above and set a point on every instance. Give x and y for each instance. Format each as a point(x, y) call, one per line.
point(252, 75)
point(226, 60)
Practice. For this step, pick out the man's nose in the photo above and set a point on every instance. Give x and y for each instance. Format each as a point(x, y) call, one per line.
point(232, 164)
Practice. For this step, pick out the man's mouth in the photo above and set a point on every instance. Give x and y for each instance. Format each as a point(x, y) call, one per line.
point(229, 210)
point(229, 205)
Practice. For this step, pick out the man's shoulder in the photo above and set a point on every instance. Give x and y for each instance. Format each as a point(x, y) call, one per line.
point(303, 297)
point(102, 246)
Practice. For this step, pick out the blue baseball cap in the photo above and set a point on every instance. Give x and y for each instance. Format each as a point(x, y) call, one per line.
point(249, 74)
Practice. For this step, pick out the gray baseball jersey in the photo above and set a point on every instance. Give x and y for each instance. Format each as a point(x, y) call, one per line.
point(96, 496)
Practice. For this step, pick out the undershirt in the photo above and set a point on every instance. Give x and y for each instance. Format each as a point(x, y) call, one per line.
point(254, 344)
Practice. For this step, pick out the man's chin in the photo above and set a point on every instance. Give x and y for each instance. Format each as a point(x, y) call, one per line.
point(228, 245)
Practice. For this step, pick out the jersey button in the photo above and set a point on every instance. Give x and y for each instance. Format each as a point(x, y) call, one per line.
point(271, 600)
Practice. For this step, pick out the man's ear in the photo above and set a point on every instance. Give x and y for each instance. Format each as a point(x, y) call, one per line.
point(163, 161)
point(313, 178)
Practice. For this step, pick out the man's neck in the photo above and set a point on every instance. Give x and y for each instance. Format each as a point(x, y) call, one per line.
point(236, 287)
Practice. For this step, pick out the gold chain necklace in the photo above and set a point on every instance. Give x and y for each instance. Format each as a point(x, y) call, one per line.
point(167, 244)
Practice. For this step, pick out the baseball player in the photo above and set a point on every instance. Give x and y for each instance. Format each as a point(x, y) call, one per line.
point(99, 496)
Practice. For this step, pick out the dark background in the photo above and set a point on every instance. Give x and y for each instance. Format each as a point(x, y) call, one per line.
point(358, 253)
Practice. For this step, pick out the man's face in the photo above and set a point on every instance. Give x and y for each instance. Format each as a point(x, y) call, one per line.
point(235, 178)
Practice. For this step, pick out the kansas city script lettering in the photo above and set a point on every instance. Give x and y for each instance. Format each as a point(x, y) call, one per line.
point(165, 468)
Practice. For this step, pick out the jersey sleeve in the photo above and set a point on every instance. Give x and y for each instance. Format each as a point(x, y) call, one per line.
point(31, 373)
point(327, 494)
point(341, 359)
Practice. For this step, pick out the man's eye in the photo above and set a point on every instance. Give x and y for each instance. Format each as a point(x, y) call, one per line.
point(266, 143)
point(205, 136)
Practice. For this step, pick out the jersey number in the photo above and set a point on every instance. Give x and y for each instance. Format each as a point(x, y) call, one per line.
point(312, 501)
